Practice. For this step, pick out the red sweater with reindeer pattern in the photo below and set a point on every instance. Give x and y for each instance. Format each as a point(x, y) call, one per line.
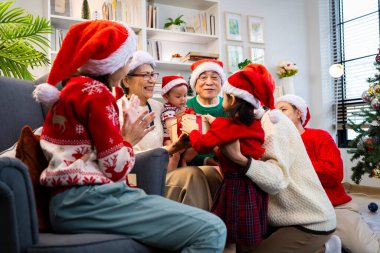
point(81, 137)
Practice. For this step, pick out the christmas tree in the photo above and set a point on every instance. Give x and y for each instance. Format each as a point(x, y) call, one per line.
point(85, 10)
point(366, 146)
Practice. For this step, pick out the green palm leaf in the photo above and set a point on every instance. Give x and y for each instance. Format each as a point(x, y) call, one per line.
point(23, 41)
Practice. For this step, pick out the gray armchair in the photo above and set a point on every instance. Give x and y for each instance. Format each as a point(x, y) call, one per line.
point(18, 218)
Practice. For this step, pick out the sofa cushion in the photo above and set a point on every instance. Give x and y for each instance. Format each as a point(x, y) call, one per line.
point(29, 151)
point(91, 243)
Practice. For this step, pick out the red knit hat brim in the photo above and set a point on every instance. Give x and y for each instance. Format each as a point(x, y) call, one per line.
point(169, 82)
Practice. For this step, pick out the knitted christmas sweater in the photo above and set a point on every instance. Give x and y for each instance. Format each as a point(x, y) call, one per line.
point(222, 131)
point(285, 172)
point(327, 162)
point(153, 139)
point(81, 137)
point(213, 110)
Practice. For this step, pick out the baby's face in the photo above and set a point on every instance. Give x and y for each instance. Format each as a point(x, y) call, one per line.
point(177, 96)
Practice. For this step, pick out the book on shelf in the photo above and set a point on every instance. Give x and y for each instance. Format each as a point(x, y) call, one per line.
point(212, 25)
point(204, 23)
point(121, 10)
point(154, 47)
point(59, 36)
point(152, 16)
point(196, 56)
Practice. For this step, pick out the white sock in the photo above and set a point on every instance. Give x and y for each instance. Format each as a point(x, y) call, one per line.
point(333, 245)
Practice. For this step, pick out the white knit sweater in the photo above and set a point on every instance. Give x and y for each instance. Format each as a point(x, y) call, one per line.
point(296, 196)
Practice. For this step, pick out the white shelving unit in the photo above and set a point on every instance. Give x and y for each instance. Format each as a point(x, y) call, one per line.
point(171, 42)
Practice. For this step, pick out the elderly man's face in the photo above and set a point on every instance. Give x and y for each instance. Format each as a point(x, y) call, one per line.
point(208, 85)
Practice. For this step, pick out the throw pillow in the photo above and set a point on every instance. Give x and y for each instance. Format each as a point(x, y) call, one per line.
point(29, 151)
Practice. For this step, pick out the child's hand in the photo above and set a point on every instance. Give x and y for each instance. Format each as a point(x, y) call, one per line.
point(188, 126)
point(182, 143)
point(180, 112)
point(209, 118)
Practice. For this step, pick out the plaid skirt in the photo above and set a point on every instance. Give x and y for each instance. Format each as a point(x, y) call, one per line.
point(243, 207)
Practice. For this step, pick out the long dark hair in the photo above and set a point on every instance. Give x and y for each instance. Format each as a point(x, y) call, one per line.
point(242, 111)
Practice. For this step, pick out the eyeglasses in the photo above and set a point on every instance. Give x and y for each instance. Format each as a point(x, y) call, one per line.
point(147, 76)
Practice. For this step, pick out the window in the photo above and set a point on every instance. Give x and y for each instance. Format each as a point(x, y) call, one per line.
point(355, 30)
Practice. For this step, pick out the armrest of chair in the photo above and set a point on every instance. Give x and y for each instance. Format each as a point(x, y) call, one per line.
point(150, 169)
point(18, 223)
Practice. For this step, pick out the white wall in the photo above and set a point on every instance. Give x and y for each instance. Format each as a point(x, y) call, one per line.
point(285, 34)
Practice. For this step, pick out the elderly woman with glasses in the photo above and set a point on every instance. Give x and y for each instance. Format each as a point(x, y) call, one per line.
point(140, 81)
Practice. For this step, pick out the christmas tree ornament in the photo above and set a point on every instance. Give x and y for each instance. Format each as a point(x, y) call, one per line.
point(366, 96)
point(373, 207)
point(375, 103)
point(378, 57)
point(376, 173)
point(360, 144)
point(376, 89)
point(368, 144)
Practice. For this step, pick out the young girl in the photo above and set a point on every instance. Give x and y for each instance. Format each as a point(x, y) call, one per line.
point(239, 202)
point(174, 91)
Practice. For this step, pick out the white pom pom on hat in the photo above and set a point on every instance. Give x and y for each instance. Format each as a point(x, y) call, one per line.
point(46, 94)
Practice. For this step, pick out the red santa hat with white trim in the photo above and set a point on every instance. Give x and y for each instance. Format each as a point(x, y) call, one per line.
point(201, 66)
point(299, 103)
point(253, 85)
point(169, 82)
point(94, 48)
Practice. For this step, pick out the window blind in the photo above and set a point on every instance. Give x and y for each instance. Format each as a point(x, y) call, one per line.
point(355, 30)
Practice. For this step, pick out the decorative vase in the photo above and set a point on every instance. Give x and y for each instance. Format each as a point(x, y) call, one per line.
point(176, 28)
point(288, 85)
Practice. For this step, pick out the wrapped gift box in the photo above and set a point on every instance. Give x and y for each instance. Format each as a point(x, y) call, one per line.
point(200, 120)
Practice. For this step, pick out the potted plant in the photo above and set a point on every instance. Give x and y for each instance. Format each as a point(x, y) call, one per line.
point(23, 43)
point(175, 24)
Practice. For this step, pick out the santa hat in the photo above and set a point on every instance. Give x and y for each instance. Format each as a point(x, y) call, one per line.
point(201, 66)
point(300, 104)
point(140, 58)
point(251, 86)
point(169, 82)
point(97, 48)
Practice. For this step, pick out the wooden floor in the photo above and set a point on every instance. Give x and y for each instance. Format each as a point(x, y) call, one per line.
point(363, 195)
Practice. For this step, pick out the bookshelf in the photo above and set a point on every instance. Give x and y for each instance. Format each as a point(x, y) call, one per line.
point(202, 32)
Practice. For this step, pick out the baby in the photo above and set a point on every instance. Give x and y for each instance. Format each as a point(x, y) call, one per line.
point(174, 91)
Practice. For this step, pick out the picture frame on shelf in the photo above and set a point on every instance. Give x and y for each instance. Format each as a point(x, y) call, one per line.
point(255, 29)
point(233, 26)
point(257, 54)
point(234, 56)
point(60, 7)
